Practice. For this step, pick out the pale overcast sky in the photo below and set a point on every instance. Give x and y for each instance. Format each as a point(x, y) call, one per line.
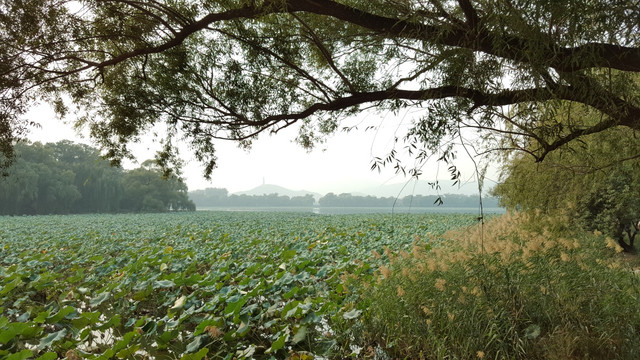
point(342, 164)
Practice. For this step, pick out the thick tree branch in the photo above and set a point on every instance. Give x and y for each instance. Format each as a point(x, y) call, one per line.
point(560, 58)
point(480, 98)
point(469, 13)
point(425, 51)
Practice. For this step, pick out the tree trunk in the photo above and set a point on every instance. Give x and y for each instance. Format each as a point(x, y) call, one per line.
point(619, 234)
point(626, 247)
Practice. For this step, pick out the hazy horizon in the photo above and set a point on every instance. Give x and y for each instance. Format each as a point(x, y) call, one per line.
point(341, 164)
point(410, 187)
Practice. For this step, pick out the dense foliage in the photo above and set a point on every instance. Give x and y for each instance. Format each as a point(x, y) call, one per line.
point(65, 178)
point(593, 183)
point(521, 287)
point(300, 286)
point(445, 201)
point(209, 69)
point(189, 285)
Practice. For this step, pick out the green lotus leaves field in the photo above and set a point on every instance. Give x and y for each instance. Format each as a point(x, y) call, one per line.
point(192, 285)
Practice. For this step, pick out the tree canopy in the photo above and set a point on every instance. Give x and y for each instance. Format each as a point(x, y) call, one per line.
point(63, 178)
point(592, 183)
point(232, 69)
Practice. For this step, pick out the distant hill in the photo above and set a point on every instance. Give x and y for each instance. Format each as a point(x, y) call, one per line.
point(266, 189)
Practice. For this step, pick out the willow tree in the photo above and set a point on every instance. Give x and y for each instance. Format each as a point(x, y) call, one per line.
point(232, 69)
point(593, 184)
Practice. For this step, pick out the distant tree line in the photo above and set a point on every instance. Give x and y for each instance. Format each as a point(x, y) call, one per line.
point(348, 200)
point(448, 200)
point(217, 197)
point(64, 178)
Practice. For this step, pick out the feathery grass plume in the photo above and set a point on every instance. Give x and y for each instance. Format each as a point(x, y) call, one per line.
point(440, 284)
point(213, 331)
point(385, 271)
point(612, 244)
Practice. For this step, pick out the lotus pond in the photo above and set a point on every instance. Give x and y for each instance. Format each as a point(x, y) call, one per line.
point(219, 285)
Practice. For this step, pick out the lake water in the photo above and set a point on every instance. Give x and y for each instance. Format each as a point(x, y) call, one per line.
point(362, 210)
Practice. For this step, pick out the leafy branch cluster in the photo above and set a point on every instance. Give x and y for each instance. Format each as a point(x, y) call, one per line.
point(234, 69)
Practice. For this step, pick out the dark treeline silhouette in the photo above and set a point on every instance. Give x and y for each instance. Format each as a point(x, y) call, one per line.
point(348, 200)
point(448, 201)
point(216, 197)
point(64, 178)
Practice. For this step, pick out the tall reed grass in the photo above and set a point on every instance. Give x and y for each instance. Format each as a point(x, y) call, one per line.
point(519, 287)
